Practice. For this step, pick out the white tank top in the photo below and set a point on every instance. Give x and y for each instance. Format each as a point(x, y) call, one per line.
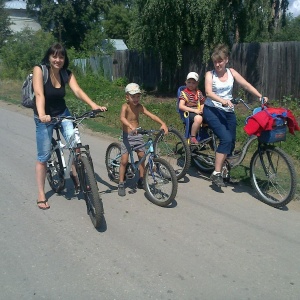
point(222, 89)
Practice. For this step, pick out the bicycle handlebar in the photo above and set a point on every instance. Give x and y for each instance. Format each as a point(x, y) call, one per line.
point(75, 119)
point(149, 132)
point(238, 100)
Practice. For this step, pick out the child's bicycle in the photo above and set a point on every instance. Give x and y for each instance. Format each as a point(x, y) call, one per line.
point(160, 182)
point(58, 170)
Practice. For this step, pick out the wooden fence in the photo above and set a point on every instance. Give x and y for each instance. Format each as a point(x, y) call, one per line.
point(273, 68)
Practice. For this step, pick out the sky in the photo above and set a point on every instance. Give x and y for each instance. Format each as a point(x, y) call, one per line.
point(294, 7)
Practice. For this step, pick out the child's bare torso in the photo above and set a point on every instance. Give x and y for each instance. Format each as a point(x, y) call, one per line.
point(132, 116)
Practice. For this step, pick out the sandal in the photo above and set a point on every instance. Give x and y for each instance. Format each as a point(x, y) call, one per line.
point(42, 202)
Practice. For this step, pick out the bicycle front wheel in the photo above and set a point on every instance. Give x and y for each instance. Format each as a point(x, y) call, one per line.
point(174, 148)
point(160, 182)
point(90, 191)
point(273, 176)
point(55, 170)
point(112, 161)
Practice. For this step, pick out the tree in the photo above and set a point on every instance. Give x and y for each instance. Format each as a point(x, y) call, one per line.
point(5, 31)
point(290, 32)
point(70, 20)
point(167, 26)
point(28, 47)
point(117, 22)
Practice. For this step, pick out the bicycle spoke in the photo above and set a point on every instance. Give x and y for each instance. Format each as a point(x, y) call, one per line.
point(273, 176)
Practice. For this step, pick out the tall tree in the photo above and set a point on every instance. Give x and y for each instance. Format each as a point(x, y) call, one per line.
point(117, 22)
point(70, 20)
point(167, 26)
point(290, 32)
point(5, 22)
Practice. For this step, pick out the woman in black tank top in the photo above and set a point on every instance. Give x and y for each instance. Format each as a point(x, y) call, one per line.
point(50, 102)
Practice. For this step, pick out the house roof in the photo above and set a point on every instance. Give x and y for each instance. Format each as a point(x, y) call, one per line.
point(119, 44)
point(15, 5)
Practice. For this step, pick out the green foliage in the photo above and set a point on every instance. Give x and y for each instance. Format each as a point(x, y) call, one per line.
point(117, 22)
point(290, 32)
point(70, 21)
point(22, 51)
point(121, 81)
point(167, 26)
point(5, 31)
point(91, 43)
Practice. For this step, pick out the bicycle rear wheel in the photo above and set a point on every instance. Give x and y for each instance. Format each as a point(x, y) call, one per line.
point(174, 148)
point(90, 191)
point(273, 176)
point(203, 155)
point(55, 170)
point(112, 161)
point(160, 182)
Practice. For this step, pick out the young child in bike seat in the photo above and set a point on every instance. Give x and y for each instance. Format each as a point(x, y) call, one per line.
point(129, 117)
point(191, 100)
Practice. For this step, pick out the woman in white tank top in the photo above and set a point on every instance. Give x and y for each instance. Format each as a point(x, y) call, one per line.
point(218, 109)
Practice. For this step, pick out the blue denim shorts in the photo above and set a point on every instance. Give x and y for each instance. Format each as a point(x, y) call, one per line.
point(44, 132)
point(223, 124)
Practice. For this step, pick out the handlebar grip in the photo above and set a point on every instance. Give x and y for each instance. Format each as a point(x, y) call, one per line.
point(141, 131)
point(236, 100)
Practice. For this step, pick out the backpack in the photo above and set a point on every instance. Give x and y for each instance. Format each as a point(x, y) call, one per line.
point(28, 97)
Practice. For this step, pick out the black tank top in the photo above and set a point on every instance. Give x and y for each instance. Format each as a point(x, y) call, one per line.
point(55, 103)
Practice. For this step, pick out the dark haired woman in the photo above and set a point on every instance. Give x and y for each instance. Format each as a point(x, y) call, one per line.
point(50, 102)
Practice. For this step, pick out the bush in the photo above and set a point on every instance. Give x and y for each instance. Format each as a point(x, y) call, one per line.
point(22, 51)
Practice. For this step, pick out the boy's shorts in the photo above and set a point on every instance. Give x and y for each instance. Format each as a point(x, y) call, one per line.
point(130, 140)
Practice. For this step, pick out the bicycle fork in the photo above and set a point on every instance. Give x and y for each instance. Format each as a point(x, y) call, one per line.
point(270, 171)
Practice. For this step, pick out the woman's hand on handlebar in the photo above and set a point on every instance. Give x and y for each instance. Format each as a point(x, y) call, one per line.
point(101, 108)
point(227, 103)
point(45, 118)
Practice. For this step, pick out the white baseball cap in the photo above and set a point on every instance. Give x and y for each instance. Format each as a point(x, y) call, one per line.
point(193, 75)
point(133, 88)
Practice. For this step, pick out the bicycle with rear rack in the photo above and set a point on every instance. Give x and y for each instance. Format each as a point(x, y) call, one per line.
point(160, 182)
point(59, 169)
point(272, 171)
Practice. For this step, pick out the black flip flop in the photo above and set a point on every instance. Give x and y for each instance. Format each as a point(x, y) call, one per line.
point(42, 202)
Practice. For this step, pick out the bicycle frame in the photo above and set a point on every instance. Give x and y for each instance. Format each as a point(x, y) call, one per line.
point(60, 146)
point(74, 151)
point(149, 150)
point(236, 160)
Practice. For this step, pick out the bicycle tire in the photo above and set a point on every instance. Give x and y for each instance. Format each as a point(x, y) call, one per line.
point(278, 187)
point(174, 148)
point(90, 191)
point(161, 184)
point(112, 161)
point(203, 156)
point(55, 170)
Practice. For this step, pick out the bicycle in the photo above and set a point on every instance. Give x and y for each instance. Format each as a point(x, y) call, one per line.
point(160, 182)
point(174, 148)
point(272, 172)
point(58, 170)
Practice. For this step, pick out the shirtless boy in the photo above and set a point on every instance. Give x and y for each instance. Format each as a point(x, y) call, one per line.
point(129, 117)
